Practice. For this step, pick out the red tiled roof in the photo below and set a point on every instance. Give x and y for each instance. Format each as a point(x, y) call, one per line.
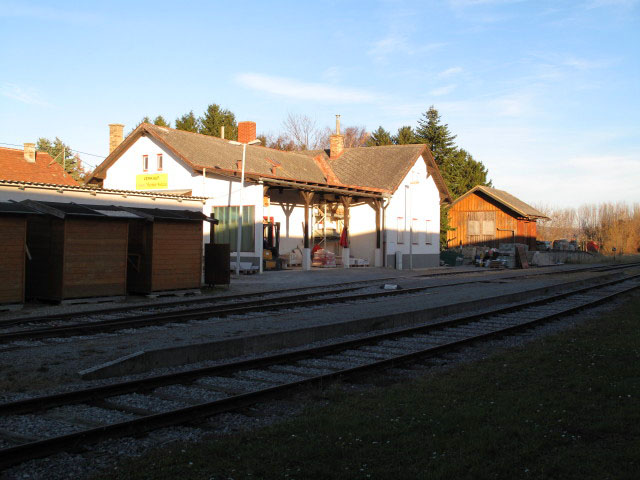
point(13, 166)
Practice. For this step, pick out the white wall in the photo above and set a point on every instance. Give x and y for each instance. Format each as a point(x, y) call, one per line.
point(420, 201)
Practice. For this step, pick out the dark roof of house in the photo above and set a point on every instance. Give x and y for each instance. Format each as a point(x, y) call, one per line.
point(382, 167)
point(45, 169)
point(15, 208)
point(371, 169)
point(506, 199)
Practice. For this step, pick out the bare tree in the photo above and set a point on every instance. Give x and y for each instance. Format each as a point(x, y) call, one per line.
point(355, 137)
point(303, 131)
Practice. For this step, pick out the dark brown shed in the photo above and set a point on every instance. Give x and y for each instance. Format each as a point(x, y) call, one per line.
point(486, 216)
point(165, 250)
point(76, 251)
point(13, 231)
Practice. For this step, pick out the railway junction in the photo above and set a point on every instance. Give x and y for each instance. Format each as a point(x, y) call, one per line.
point(77, 375)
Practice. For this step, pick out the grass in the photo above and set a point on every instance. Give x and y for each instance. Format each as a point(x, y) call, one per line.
point(563, 407)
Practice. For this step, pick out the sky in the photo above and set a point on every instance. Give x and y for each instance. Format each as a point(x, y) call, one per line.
point(545, 93)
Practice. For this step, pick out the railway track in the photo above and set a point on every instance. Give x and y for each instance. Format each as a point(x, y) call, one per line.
point(42, 426)
point(136, 319)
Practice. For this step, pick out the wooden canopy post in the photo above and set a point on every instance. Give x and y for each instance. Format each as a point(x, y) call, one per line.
point(307, 198)
point(376, 204)
point(346, 202)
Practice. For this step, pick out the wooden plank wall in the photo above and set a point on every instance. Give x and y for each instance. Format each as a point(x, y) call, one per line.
point(95, 258)
point(481, 208)
point(177, 255)
point(12, 259)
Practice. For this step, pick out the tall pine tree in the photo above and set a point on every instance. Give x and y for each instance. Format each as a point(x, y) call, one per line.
point(379, 137)
point(405, 136)
point(214, 118)
point(62, 154)
point(436, 136)
point(188, 122)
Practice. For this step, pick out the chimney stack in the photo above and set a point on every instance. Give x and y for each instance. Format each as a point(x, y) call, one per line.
point(30, 152)
point(246, 131)
point(115, 135)
point(336, 145)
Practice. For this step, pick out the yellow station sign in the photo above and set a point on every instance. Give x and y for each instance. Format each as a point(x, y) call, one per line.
point(152, 182)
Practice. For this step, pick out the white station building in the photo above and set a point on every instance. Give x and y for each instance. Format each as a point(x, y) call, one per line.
point(377, 206)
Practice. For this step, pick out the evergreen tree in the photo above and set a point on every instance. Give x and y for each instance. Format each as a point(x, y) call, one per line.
point(188, 122)
point(464, 173)
point(436, 136)
point(214, 118)
point(379, 137)
point(63, 154)
point(161, 122)
point(405, 136)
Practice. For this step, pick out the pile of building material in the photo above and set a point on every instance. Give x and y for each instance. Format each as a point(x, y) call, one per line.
point(507, 253)
point(323, 258)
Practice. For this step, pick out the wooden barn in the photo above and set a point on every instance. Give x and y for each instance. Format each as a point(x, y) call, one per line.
point(486, 216)
point(165, 250)
point(76, 251)
point(13, 225)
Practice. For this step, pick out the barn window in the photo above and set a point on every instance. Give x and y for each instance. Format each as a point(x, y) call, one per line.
point(159, 162)
point(145, 163)
point(227, 230)
point(474, 227)
point(400, 230)
point(489, 227)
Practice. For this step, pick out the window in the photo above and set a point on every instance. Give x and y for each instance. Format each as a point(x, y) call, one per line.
point(159, 162)
point(400, 230)
point(427, 237)
point(489, 228)
point(415, 231)
point(474, 227)
point(227, 230)
point(145, 163)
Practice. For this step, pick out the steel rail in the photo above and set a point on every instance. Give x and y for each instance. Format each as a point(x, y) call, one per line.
point(13, 455)
point(262, 305)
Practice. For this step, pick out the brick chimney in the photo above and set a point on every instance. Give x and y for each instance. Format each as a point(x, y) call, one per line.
point(246, 131)
point(115, 135)
point(336, 145)
point(30, 152)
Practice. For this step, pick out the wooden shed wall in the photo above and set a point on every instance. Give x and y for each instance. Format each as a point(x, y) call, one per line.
point(95, 258)
point(177, 255)
point(12, 267)
point(484, 209)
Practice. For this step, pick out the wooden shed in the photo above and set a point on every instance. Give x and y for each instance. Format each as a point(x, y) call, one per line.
point(486, 216)
point(13, 225)
point(165, 250)
point(76, 251)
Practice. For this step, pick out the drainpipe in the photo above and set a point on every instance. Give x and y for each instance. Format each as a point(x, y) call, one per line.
point(384, 230)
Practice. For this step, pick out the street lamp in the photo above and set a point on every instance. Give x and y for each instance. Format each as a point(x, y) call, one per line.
point(239, 242)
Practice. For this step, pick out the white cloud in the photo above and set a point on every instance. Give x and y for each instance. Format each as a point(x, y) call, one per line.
point(28, 95)
point(332, 74)
point(611, 3)
point(398, 43)
point(291, 88)
point(438, 92)
point(450, 72)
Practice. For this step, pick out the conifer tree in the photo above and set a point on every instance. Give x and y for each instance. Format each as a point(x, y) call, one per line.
point(405, 136)
point(436, 136)
point(63, 154)
point(214, 118)
point(379, 137)
point(161, 122)
point(188, 122)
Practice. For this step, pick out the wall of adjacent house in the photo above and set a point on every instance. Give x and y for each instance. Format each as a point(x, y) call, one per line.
point(417, 202)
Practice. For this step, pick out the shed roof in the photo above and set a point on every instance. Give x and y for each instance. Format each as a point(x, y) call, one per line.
point(506, 199)
point(15, 208)
point(45, 169)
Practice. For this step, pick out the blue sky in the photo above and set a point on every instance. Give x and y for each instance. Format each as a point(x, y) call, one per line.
point(545, 93)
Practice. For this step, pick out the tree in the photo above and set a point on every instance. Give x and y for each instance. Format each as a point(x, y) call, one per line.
point(436, 136)
point(461, 173)
point(161, 122)
point(188, 122)
point(355, 137)
point(405, 136)
point(303, 132)
point(63, 154)
point(215, 117)
point(379, 137)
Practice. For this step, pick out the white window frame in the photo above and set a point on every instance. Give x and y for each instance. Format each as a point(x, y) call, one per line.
point(427, 235)
point(415, 231)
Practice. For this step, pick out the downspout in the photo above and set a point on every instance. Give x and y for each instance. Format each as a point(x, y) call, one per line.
point(384, 230)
